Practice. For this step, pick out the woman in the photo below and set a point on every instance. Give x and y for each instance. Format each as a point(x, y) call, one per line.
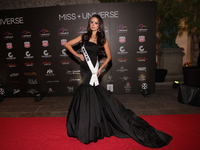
point(94, 112)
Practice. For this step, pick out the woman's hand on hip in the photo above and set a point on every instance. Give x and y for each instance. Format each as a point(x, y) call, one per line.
point(81, 57)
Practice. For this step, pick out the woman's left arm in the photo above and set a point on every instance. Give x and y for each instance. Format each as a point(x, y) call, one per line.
point(108, 57)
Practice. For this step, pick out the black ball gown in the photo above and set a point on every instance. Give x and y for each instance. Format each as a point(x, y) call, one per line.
point(95, 113)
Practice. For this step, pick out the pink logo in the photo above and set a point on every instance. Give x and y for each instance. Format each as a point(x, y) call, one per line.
point(9, 45)
point(27, 44)
point(63, 41)
point(141, 38)
point(122, 39)
point(45, 43)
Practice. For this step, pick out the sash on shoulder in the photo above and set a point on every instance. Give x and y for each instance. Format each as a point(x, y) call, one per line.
point(94, 79)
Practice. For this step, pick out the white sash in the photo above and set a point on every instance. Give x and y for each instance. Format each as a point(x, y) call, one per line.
point(94, 79)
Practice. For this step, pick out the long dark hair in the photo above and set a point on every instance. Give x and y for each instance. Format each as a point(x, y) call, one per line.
point(100, 33)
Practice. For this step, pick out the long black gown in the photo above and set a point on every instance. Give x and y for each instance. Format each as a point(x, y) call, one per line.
point(95, 113)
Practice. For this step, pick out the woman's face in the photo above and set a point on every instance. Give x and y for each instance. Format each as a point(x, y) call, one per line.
point(94, 24)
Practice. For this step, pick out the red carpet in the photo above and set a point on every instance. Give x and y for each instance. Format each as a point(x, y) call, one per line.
point(49, 133)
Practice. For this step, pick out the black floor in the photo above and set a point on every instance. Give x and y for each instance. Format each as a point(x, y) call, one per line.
point(164, 101)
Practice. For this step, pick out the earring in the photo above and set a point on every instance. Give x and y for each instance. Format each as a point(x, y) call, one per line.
point(98, 30)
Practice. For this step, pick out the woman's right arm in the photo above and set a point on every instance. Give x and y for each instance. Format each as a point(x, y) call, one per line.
point(72, 42)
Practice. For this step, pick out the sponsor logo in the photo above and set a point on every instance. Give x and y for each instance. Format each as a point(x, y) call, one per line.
point(52, 81)
point(105, 29)
point(9, 45)
point(28, 55)
point(12, 65)
point(30, 73)
point(32, 81)
point(125, 78)
point(8, 36)
point(142, 69)
point(14, 75)
point(122, 50)
point(144, 86)
point(70, 89)
point(141, 77)
point(74, 79)
point(45, 43)
point(110, 87)
point(46, 54)
point(46, 63)
point(44, 33)
point(15, 91)
point(122, 29)
point(10, 56)
point(25, 34)
point(29, 64)
point(81, 30)
point(141, 38)
point(14, 82)
point(122, 59)
point(65, 62)
point(50, 90)
point(122, 39)
point(49, 73)
point(141, 28)
point(27, 44)
point(64, 53)
point(32, 91)
point(141, 59)
point(127, 87)
point(110, 78)
point(122, 69)
point(2, 91)
point(63, 32)
point(141, 50)
point(73, 72)
point(63, 41)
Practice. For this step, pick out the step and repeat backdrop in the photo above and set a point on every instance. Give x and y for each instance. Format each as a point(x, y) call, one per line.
point(34, 60)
